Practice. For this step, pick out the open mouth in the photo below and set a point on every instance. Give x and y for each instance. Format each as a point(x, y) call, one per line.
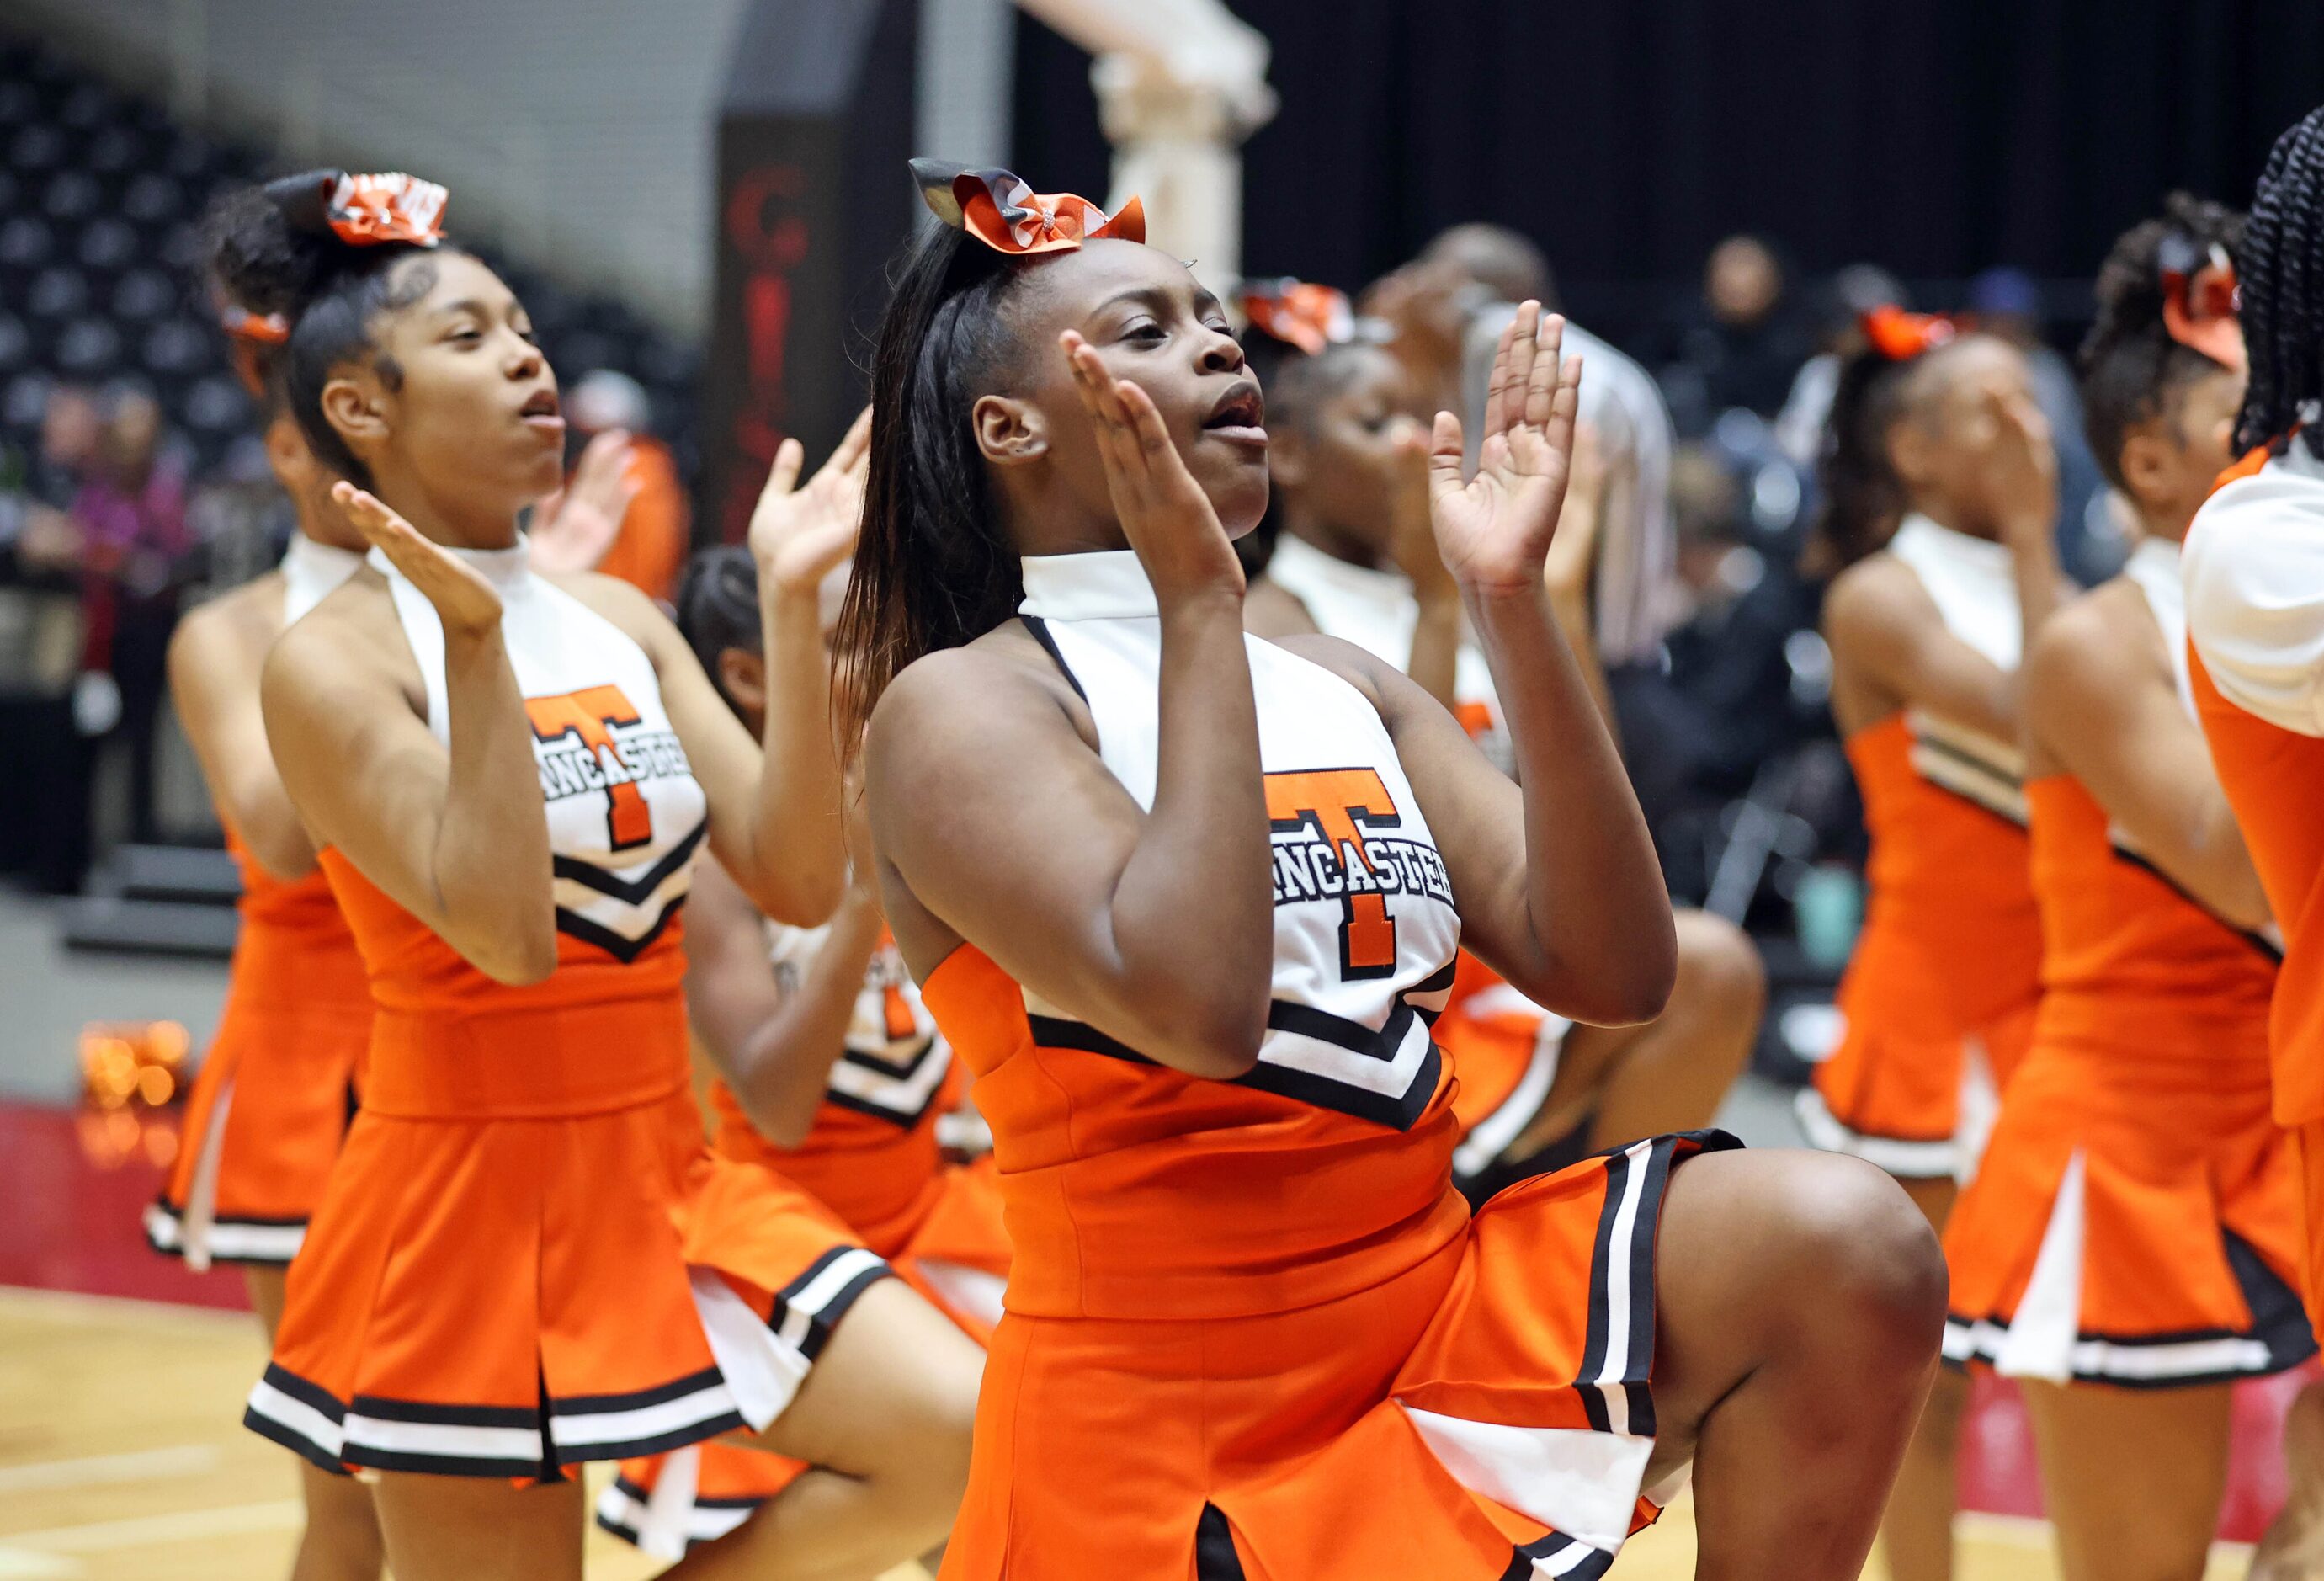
point(541, 411)
point(1240, 418)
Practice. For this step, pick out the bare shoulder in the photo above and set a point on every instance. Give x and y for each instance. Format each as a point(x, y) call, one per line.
point(351, 642)
point(1374, 677)
point(1879, 593)
point(956, 704)
point(231, 631)
point(2093, 642)
point(638, 616)
point(1271, 610)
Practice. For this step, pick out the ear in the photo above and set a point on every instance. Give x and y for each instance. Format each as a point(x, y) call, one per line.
point(743, 676)
point(1008, 431)
point(355, 403)
point(2150, 462)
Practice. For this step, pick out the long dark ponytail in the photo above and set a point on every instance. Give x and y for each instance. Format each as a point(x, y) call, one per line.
point(2280, 271)
point(1862, 498)
point(933, 567)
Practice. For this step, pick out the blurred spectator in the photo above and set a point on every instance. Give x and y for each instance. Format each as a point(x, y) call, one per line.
point(1445, 311)
point(1851, 293)
point(656, 529)
point(2007, 303)
point(1739, 344)
point(129, 515)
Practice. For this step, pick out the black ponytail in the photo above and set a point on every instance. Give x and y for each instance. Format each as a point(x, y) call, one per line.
point(270, 250)
point(2131, 367)
point(1862, 499)
point(933, 567)
point(2280, 271)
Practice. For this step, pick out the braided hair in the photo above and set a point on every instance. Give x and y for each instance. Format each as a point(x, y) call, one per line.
point(2280, 270)
point(2131, 367)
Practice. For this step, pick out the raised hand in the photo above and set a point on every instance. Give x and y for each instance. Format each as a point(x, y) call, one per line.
point(2021, 468)
point(1494, 529)
point(573, 528)
point(1163, 510)
point(798, 534)
point(465, 602)
point(1413, 544)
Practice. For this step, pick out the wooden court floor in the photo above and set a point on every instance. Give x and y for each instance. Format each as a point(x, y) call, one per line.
point(122, 1459)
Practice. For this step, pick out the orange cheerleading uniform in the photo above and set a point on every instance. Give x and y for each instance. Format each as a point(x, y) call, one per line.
point(871, 1157)
point(277, 1088)
point(2135, 1219)
point(272, 1099)
point(528, 1257)
point(2254, 581)
point(1252, 1329)
point(1946, 972)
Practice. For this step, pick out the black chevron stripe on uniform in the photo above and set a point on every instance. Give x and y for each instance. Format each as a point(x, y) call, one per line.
point(901, 1070)
point(903, 1119)
point(620, 949)
point(1567, 1559)
point(630, 892)
point(1596, 1335)
point(1397, 1111)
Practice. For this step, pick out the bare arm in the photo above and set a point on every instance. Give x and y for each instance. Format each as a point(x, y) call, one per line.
point(214, 670)
point(458, 838)
point(1435, 664)
point(998, 817)
point(1891, 651)
point(1557, 882)
point(1574, 557)
point(775, 812)
point(775, 1049)
point(2107, 713)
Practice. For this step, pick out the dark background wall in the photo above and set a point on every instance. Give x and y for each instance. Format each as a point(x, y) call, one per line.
point(1934, 136)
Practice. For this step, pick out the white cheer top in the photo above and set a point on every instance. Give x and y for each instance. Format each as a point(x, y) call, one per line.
point(1975, 589)
point(1365, 931)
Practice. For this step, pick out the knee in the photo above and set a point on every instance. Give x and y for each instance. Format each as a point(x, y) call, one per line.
point(1719, 973)
point(1870, 1256)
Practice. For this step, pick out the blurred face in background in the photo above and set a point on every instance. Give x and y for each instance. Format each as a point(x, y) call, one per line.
point(1742, 282)
point(130, 437)
point(1943, 444)
point(2171, 461)
point(70, 428)
point(1336, 458)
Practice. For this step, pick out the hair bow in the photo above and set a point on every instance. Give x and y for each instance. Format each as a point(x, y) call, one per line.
point(2199, 300)
point(1308, 316)
point(366, 211)
point(999, 209)
point(253, 328)
point(1899, 335)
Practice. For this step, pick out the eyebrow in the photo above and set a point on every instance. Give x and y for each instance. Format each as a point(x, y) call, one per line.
point(1159, 299)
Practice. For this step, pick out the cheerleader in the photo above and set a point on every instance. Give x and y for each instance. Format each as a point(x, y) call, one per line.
point(2132, 1242)
point(1188, 902)
point(526, 1258)
point(830, 1071)
point(1940, 504)
point(2253, 571)
point(270, 1104)
point(1357, 559)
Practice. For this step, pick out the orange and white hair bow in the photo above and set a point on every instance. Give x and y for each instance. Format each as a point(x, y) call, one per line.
point(2199, 299)
point(368, 210)
point(253, 328)
point(1900, 337)
point(998, 208)
point(1299, 312)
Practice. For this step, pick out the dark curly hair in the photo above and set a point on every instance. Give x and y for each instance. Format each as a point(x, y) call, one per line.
point(2131, 368)
point(2281, 271)
point(718, 607)
point(270, 250)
